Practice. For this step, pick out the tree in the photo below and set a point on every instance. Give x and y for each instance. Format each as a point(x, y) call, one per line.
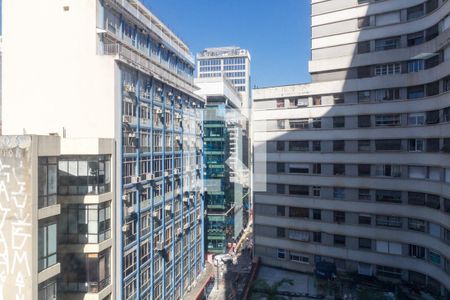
point(261, 289)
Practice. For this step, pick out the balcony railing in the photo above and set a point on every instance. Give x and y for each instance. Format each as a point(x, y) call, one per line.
point(85, 287)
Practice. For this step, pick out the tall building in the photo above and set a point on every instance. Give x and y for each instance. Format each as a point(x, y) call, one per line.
point(111, 69)
point(357, 161)
point(56, 230)
point(226, 179)
point(232, 63)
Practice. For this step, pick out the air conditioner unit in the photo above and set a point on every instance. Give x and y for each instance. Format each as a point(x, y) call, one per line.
point(130, 209)
point(150, 176)
point(159, 89)
point(177, 116)
point(125, 227)
point(199, 218)
point(176, 172)
point(166, 173)
point(179, 232)
point(197, 166)
point(185, 199)
point(135, 179)
point(159, 246)
point(177, 138)
point(125, 198)
point(155, 214)
point(186, 226)
point(168, 207)
point(170, 94)
point(126, 119)
point(132, 134)
point(159, 111)
point(178, 97)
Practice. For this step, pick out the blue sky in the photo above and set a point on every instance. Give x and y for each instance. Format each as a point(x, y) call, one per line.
point(276, 32)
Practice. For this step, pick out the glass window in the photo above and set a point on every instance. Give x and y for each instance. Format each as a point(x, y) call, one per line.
point(280, 167)
point(415, 65)
point(364, 96)
point(47, 290)
point(339, 240)
point(280, 189)
point(47, 244)
point(280, 145)
point(388, 145)
point(415, 92)
point(415, 12)
point(339, 193)
point(389, 221)
point(281, 211)
point(387, 120)
point(365, 243)
point(389, 196)
point(387, 94)
point(299, 123)
point(317, 123)
point(299, 146)
point(298, 212)
point(416, 145)
point(47, 180)
point(364, 22)
point(432, 117)
point(416, 119)
point(432, 32)
point(302, 190)
point(338, 169)
point(364, 121)
point(280, 103)
point(316, 146)
point(432, 88)
point(416, 38)
point(364, 194)
point(339, 216)
point(364, 219)
point(338, 145)
point(338, 122)
point(364, 145)
point(317, 100)
point(432, 145)
point(363, 47)
point(281, 254)
point(387, 43)
point(363, 170)
point(317, 214)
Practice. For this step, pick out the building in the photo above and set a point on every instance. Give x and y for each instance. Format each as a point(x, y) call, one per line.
point(226, 175)
point(232, 63)
point(357, 161)
point(115, 71)
point(56, 226)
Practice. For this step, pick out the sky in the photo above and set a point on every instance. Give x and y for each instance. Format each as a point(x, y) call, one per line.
point(276, 32)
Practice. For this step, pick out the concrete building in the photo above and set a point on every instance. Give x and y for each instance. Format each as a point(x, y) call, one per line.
point(112, 69)
point(357, 161)
point(226, 175)
point(56, 226)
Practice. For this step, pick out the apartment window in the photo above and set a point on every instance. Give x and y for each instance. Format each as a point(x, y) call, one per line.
point(433, 62)
point(364, 220)
point(388, 196)
point(446, 146)
point(338, 98)
point(364, 121)
point(417, 251)
point(387, 94)
point(415, 65)
point(338, 193)
point(363, 170)
point(387, 43)
point(317, 214)
point(338, 145)
point(299, 212)
point(364, 72)
point(415, 145)
point(417, 225)
point(388, 18)
point(388, 145)
point(364, 47)
point(281, 253)
point(432, 88)
point(317, 123)
point(339, 217)
point(387, 120)
point(432, 117)
point(364, 96)
point(47, 240)
point(338, 122)
point(316, 191)
point(446, 114)
point(281, 124)
point(299, 124)
point(364, 243)
point(416, 119)
point(298, 258)
point(280, 145)
point(389, 221)
point(389, 272)
point(280, 103)
point(387, 171)
point(417, 172)
point(316, 146)
point(363, 145)
point(47, 181)
point(317, 237)
point(281, 232)
point(280, 189)
point(387, 69)
point(317, 100)
point(416, 92)
point(281, 211)
point(415, 198)
point(389, 247)
point(434, 257)
point(299, 168)
point(339, 240)
point(47, 290)
point(432, 32)
point(299, 146)
point(317, 168)
point(280, 168)
point(415, 12)
point(302, 190)
point(432, 145)
point(364, 194)
point(416, 38)
point(364, 22)
point(447, 84)
point(338, 169)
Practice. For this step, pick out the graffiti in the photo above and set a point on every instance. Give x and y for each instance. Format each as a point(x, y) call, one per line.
point(15, 218)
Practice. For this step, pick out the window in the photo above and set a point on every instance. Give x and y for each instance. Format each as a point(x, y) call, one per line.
point(388, 18)
point(364, 243)
point(417, 225)
point(415, 145)
point(387, 120)
point(281, 211)
point(389, 221)
point(281, 124)
point(364, 72)
point(416, 92)
point(387, 43)
point(432, 88)
point(298, 212)
point(363, 47)
point(431, 5)
point(47, 240)
point(339, 217)
point(317, 214)
point(280, 103)
point(446, 146)
point(387, 94)
point(416, 119)
point(364, 145)
point(317, 123)
point(316, 191)
point(364, 194)
point(415, 12)
point(299, 146)
point(302, 190)
point(364, 96)
point(281, 232)
point(316, 146)
point(364, 22)
point(338, 193)
point(338, 146)
point(433, 117)
point(280, 145)
point(317, 100)
point(298, 258)
point(280, 189)
point(47, 290)
point(446, 114)
point(432, 145)
point(338, 169)
point(415, 65)
point(417, 251)
point(317, 168)
point(363, 170)
point(317, 237)
point(303, 236)
point(299, 168)
point(299, 123)
point(47, 181)
point(280, 167)
point(388, 196)
point(447, 84)
point(338, 122)
point(417, 172)
point(387, 171)
point(388, 145)
point(339, 240)
point(416, 38)
point(389, 272)
point(415, 198)
point(434, 257)
point(432, 32)
point(281, 254)
point(364, 121)
point(364, 220)
point(338, 98)
point(433, 62)
point(389, 247)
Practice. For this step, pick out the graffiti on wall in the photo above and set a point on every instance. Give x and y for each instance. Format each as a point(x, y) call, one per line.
point(15, 218)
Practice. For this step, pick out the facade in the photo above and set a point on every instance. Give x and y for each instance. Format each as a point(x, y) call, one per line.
point(357, 161)
point(116, 71)
point(226, 183)
point(56, 229)
point(232, 63)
